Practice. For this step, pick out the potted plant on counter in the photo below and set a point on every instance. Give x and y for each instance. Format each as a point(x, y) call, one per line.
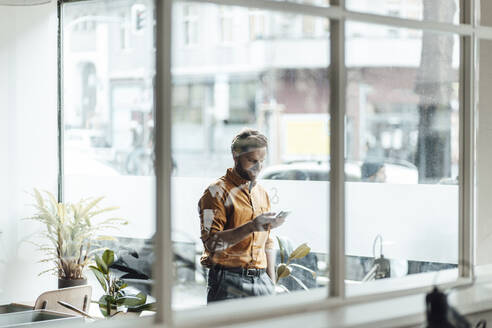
point(71, 234)
point(118, 298)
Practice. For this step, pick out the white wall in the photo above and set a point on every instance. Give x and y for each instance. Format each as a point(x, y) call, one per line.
point(28, 140)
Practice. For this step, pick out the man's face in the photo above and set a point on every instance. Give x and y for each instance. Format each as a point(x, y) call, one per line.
point(380, 175)
point(249, 164)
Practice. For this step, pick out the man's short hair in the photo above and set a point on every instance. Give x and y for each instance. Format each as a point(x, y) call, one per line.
point(370, 168)
point(248, 140)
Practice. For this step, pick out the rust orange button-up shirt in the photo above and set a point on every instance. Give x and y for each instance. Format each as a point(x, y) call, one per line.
point(229, 203)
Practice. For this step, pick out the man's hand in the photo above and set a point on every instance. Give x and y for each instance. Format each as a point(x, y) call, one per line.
point(221, 240)
point(267, 221)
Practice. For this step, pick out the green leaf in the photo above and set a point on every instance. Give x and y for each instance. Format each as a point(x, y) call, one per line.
point(144, 307)
point(94, 268)
point(303, 268)
point(103, 304)
point(100, 277)
point(299, 252)
point(282, 271)
point(101, 265)
point(138, 299)
point(108, 257)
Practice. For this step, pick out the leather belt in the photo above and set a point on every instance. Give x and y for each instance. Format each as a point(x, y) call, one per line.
point(247, 272)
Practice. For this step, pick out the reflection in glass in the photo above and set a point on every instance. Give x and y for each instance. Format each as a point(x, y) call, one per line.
point(444, 11)
point(108, 72)
point(402, 126)
point(485, 9)
point(269, 72)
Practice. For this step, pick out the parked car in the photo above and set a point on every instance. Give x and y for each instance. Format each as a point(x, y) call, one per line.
point(396, 172)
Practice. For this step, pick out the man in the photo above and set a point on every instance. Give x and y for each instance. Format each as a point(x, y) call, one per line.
point(235, 225)
point(373, 171)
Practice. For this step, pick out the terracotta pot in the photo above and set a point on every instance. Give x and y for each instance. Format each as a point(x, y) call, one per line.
point(64, 283)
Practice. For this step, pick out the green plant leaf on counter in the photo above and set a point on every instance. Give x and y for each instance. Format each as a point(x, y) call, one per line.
point(299, 252)
point(285, 269)
point(108, 257)
point(100, 277)
point(101, 265)
point(117, 296)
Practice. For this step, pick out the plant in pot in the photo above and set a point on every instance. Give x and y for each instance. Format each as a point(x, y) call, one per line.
point(286, 266)
point(118, 298)
point(71, 234)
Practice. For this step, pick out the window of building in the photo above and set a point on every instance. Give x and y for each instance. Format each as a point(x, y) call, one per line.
point(341, 115)
point(190, 24)
point(267, 89)
point(257, 25)
point(445, 11)
point(404, 134)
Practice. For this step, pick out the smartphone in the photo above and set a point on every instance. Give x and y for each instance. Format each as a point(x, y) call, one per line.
point(282, 214)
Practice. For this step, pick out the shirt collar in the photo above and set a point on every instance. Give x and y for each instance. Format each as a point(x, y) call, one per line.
point(233, 176)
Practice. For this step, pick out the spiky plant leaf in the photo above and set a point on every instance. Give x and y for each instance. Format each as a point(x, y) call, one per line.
point(70, 228)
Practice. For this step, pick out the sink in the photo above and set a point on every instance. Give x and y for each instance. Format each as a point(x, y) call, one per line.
point(37, 318)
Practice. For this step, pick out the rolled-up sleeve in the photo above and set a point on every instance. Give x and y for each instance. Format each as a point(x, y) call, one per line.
point(212, 212)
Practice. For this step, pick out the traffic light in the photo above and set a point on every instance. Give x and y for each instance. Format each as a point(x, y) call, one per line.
point(139, 15)
point(140, 20)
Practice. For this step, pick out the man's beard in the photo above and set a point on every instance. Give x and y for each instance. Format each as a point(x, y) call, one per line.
point(243, 173)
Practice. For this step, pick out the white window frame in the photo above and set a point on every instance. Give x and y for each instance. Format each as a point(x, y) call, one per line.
point(469, 32)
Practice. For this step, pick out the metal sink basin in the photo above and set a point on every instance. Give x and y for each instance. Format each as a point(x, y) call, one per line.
point(12, 307)
point(37, 318)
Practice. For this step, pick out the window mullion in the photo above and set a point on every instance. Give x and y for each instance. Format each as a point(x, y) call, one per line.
point(163, 247)
point(467, 144)
point(60, 119)
point(337, 158)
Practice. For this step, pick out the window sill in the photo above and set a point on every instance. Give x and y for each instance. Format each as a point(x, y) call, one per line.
point(409, 289)
point(382, 310)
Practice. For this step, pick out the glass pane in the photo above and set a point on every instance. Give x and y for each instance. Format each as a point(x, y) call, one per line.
point(483, 228)
point(235, 68)
point(108, 72)
point(402, 126)
point(485, 13)
point(445, 11)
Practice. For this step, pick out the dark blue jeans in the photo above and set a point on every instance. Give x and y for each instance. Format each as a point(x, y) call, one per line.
point(224, 285)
